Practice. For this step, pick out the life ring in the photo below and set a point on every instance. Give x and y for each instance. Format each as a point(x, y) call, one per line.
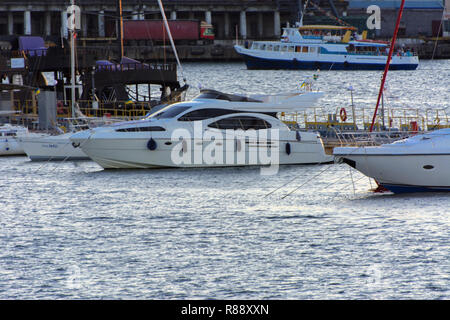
point(343, 114)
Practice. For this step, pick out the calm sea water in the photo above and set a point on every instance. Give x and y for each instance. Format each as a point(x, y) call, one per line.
point(71, 230)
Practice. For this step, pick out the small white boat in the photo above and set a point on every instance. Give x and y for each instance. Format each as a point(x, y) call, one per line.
point(212, 130)
point(419, 163)
point(9, 143)
point(323, 47)
point(51, 148)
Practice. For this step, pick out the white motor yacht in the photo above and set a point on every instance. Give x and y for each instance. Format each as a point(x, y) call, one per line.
point(212, 130)
point(9, 139)
point(419, 163)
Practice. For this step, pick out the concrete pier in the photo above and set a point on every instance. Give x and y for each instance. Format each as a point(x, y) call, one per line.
point(225, 16)
point(244, 19)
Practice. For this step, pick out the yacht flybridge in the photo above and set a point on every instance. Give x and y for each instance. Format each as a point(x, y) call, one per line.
point(214, 129)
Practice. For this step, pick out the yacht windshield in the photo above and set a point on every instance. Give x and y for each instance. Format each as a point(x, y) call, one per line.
point(168, 113)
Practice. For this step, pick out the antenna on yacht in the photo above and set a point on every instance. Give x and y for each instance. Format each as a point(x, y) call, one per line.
point(166, 24)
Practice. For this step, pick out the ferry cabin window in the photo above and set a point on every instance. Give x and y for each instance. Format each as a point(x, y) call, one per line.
point(241, 122)
point(291, 48)
point(297, 49)
point(276, 48)
point(304, 49)
point(170, 112)
point(312, 49)
point(269, 47)
point(283, 48)
point(255, 46)
point(203, 114)
point(262, 47)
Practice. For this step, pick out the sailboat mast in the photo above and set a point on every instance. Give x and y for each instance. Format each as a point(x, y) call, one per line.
point(121, 29)
point(166, 24)
point(72, 57)
point(386, 68)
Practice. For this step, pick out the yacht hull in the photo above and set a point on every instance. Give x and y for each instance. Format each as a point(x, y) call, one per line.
point(402, 172)
point(10, 146)
point(52, 148)
point(134, 154)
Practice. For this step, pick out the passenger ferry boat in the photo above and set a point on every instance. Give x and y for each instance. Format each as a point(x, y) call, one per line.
point(324, 47)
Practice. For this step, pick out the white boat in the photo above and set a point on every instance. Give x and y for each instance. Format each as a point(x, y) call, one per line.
point(323, 47)
point(212, 130)
point(51, 148)
point(419, 163)
point(9, 144)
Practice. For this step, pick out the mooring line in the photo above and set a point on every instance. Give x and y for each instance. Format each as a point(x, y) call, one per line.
point(316, 175)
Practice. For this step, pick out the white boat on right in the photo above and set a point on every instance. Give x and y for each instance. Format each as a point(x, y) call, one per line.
point(416, 164)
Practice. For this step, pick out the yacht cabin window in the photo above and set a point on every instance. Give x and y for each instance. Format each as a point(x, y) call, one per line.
point(169, 112)
point(241, 122)
point(202, 114)
point(141, 129)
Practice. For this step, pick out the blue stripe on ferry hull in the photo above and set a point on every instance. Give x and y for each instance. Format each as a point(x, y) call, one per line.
point(260, 63)
point(395, 188)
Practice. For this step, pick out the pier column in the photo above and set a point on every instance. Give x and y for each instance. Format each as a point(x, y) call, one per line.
point(101, 24)
point(276, 23)
point(173, 15)
point(27, 22)
point(208, 18)
point(260, 24)
point(64, 31)
point(243, 25)
point(48, 23)
point(10, 23)
point(226, 25)
point(84, 25)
